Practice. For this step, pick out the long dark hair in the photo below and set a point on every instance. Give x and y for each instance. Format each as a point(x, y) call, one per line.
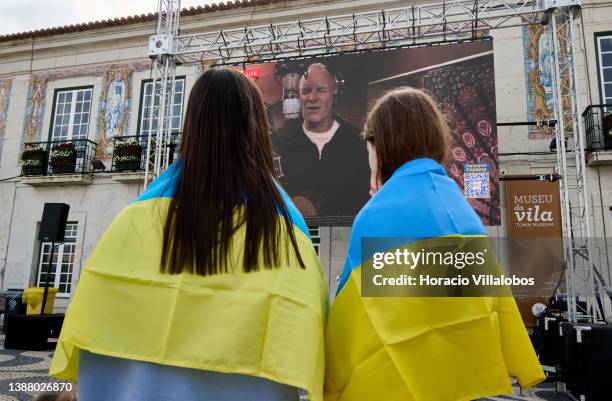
point(227, 171)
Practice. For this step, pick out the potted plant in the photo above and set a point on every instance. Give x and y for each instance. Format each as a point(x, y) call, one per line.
point(33, 160)
point(607, 124)
point(63, 158)
point(606, 128)
point(127, 155)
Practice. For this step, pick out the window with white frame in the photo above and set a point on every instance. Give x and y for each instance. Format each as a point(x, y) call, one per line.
point(71, 114)
point(62, 263)
point(316, 237)
point(145, 107)
point(604, 55)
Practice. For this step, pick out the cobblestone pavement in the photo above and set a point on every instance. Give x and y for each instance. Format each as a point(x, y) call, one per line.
point(543, 392)
point(18, 367)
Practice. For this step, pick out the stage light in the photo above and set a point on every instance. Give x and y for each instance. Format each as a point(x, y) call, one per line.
point(98, 165)
point(553, 144)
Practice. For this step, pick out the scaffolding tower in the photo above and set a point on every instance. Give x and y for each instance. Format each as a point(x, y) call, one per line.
point(413, 25)
point(580, 279)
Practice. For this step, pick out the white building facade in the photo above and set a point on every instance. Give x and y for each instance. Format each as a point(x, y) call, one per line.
point(91, 84)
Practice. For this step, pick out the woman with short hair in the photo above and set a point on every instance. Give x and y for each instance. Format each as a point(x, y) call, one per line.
point(415, 348)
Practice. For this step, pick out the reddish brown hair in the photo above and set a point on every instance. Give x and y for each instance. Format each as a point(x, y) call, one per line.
point(63, 396)
point(403, 125)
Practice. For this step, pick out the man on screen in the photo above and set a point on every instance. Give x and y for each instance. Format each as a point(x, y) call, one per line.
point(323, 160)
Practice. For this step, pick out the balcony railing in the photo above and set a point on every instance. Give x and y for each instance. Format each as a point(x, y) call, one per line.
point(597, 121)
point(129, 152)
point(62, 157)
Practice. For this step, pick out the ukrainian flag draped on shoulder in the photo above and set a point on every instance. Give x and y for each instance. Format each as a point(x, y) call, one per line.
point(417, 348)
point(267, 323)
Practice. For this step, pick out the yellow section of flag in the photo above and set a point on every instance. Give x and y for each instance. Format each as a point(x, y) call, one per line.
point(424, 349)
point(267, 323)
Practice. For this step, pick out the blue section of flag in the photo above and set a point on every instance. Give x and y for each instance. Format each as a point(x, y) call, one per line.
point(164, 185)
point(418, 201)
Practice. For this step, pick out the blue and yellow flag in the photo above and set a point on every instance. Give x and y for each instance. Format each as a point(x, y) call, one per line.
point(267, 323)
point(417, 348)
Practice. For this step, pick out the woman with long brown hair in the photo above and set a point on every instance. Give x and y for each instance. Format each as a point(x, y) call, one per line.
point(207, 287)
point(423, 347)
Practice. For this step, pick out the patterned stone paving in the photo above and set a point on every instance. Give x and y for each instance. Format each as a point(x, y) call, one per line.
point(543, 392)
point(32, 366)
point(22, 367)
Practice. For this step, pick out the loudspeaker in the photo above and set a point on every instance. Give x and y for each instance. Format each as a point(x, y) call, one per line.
point(550, 346)
point(32, 332)
point(573, 361)
point(597, 357)
point(53, 223)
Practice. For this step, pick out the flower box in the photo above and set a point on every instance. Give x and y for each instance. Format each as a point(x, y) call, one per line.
point(63, 159)
point(129, 165)
point(33, 170)
point(607, 124)
point(127, 155)
point(68, 168)
point(33, 160)
point(606, 129)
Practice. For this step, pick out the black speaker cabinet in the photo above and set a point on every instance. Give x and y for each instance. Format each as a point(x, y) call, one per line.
point(53, 223)
point(573, 363)
point(597, 362)
point(32, 332)
point(551, 345)
point(587, 370)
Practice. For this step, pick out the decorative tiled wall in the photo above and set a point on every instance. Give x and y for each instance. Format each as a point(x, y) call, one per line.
point(538, 79)
point(114, 108)
point(5, 94)
point(114, 102)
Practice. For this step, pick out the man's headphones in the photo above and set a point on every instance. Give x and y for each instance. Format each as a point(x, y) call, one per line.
point(336, 75)
point(283, 68)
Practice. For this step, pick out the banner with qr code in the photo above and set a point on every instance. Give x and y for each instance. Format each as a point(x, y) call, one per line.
point(476, 180)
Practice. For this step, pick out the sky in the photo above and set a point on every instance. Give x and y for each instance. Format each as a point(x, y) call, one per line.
point(27, 15)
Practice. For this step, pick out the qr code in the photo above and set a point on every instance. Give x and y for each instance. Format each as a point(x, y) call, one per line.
point(476, 185)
